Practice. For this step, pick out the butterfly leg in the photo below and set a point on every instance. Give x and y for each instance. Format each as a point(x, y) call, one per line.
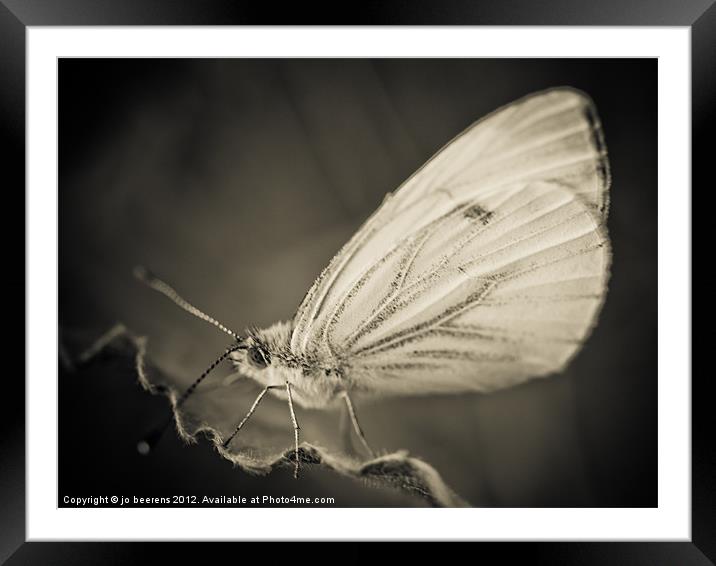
point(344, 430)
point(248, 415)
point(296, 428)
point(356, 424)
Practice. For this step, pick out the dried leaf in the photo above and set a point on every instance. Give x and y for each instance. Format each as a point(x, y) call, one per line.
point(212, 414)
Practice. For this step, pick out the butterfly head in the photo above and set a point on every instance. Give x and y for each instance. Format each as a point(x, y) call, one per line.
point(266, 357)
point(255, 353)
point(258, 356)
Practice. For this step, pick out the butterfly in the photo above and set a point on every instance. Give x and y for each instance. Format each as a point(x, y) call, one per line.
point(486, 268)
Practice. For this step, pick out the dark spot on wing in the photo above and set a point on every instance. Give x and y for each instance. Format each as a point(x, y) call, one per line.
point(476, 212)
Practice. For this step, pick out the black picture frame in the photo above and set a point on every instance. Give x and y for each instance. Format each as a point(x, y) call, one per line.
point(17, 15)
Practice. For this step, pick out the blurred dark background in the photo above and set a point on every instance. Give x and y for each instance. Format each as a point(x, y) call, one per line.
point(237, 180)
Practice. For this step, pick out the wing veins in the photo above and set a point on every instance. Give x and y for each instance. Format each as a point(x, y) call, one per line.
point(412, 331)
point(521, 150)
point(421, 282)
point(474, 233)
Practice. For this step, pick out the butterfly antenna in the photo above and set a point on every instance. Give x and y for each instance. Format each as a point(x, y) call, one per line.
point(151, 280)
point(154, 435)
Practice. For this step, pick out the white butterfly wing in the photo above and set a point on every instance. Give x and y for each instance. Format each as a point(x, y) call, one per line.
point(485, 268)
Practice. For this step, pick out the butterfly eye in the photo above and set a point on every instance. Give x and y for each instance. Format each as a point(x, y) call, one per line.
point(258, 358)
